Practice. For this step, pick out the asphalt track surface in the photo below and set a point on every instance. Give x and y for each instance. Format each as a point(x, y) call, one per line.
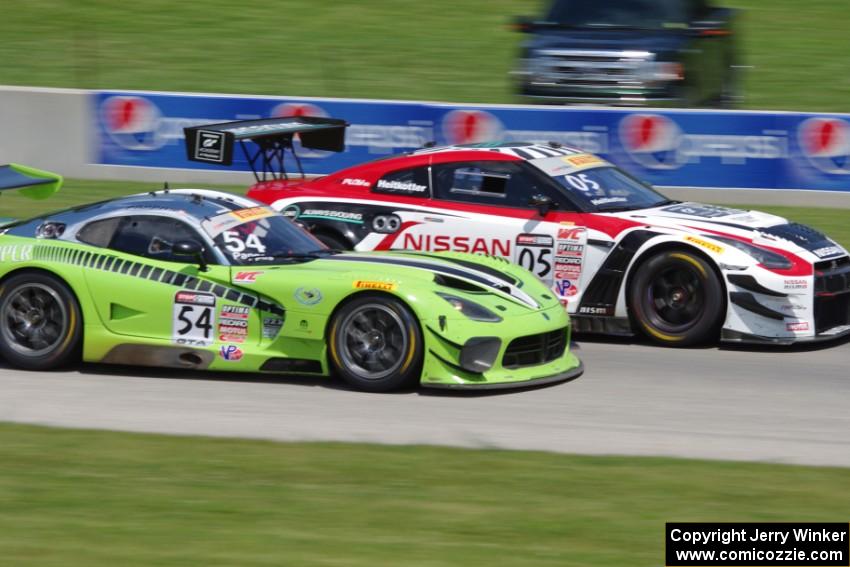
point(785, 405)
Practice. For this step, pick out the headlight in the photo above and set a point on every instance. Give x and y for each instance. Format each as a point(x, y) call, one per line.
point(470, 309)
point(766, 258)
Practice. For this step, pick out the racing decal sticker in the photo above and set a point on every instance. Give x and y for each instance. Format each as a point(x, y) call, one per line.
point(603, 310)
point(356, 182)
point(705, 244)
point(404, 187)
point(243, 246)
point(254, 213)
point(232, 219)
point(443, 242)
point(327, 214)
point(534, 253)
point(797, 326)
point(234, 312)
point(191, 318)
point(272, 327)
point(209, 146)
point(584, 160)
point(380, 286)
point(230, 353)
point(308, 296)
point(233, 324)
point(15, 253)
point(828, 251)
point(796, 284)
point(573, 233)
point(703, 211)
point(247, 277)
point(569, 260)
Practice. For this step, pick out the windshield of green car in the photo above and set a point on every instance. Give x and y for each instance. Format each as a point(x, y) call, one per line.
point(598, 186)
point(260, 236)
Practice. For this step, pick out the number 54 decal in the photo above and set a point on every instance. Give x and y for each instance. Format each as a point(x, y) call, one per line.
point(192, 318)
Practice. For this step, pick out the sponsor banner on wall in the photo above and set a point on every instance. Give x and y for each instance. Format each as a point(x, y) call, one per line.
point(683, 148)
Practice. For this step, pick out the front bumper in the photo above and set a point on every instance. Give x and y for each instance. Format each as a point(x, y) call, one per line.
point(533, 350)
point(566, 376)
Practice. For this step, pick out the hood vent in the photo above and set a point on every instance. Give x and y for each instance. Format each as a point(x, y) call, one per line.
point(799, 234)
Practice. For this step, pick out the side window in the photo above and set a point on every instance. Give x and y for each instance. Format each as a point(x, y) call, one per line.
point(152, 237)
point(484, 182)
point(99, 233)
point(411, 182)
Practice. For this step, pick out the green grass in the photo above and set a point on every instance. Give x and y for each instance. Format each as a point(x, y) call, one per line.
point(397, 49)
point(78, 498)
point(833, 222)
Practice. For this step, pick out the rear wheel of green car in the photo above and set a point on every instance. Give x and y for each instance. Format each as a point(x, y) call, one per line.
point(375, 344)
point(40, 322)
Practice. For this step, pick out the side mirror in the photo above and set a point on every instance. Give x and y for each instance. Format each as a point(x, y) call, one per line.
point(191, 249)
point(543, 203)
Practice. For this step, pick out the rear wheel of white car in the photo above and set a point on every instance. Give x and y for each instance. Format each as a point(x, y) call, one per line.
point(375, 344)
point(40, 322)
point(676, 299)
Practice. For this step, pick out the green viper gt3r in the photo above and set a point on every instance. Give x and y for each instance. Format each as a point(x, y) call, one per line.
point(200, 279)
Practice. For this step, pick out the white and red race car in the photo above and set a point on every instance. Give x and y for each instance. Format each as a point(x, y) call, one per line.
point(622, 257)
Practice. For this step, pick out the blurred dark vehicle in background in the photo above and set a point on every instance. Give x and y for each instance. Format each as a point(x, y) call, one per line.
point(632, 53)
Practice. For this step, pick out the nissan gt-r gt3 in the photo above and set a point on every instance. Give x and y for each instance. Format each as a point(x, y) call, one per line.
point(618, 254)
point(206, 280)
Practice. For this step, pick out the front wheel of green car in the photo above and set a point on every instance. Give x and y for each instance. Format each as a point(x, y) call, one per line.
point(40, 322)
point(375, 344)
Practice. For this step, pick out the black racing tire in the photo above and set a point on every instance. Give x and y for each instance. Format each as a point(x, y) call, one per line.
point(41, 326)
point(375, 344)
point(333, 241)
point(677, 299)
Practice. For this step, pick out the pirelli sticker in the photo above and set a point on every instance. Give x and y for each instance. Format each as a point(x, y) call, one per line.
point(378, 286)
point(227, 221)
point(584, 160)
point(705, 244)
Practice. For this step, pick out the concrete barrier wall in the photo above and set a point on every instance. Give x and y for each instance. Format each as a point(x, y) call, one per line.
point(67, 131)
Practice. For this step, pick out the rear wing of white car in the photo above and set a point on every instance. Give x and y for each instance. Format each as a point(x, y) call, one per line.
point(273, 137)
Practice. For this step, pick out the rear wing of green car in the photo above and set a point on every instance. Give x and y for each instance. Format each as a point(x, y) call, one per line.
point(273, 137)
point(31, 182)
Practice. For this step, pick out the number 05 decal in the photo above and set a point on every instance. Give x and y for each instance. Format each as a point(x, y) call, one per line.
point(192, 318)
point(534, 253)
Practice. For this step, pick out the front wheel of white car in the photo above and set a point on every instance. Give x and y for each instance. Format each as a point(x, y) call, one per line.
point(676, 299)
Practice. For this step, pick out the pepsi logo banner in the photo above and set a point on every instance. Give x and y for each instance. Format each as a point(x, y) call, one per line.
point(680, 148)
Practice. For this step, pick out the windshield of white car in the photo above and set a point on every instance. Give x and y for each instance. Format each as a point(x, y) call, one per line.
point(608, 189)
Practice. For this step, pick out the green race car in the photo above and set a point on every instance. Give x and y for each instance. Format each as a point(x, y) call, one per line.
point(200, 279)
